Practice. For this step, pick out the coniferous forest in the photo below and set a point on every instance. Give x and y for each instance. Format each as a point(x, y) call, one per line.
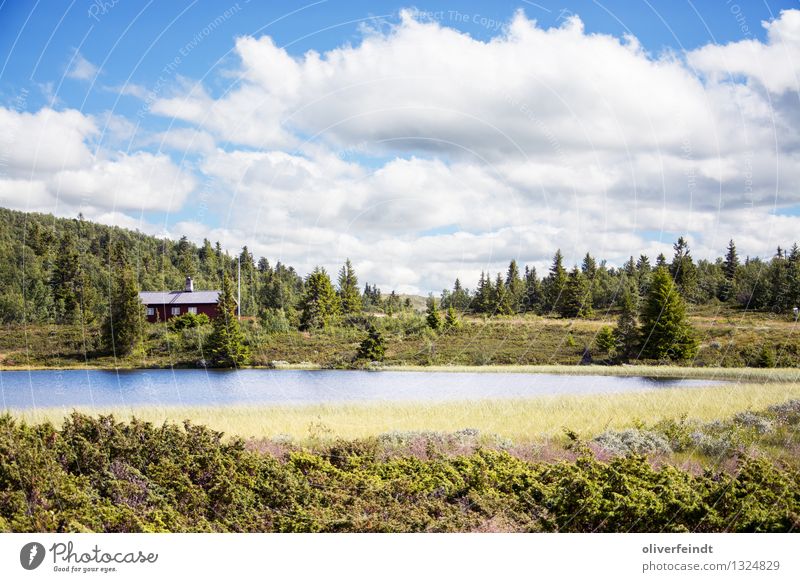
point(78, 274)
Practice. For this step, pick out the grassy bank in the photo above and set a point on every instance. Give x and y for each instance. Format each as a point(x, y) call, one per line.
point(521, 420)
point(728, 339)
point(735, 374)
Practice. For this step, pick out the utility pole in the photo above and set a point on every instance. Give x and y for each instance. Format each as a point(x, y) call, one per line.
point(239, 289)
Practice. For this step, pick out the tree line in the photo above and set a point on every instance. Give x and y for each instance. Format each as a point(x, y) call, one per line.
point(766, 285)
point(55, 270)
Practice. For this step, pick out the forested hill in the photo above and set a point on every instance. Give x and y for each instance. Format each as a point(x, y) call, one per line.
point(59, 270)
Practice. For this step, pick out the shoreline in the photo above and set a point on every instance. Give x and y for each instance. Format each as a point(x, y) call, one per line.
point(521, 419)
point(766, 375)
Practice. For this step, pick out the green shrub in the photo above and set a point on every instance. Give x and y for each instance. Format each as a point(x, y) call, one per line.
point(98, 474)
point(188, 321)
point(373, 347)
point(274, 321)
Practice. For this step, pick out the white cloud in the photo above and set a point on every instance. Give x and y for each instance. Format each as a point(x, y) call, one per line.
point(80, 68)
point(51, 158)
point(444, 155)
point(465, 152)
point(774, 64)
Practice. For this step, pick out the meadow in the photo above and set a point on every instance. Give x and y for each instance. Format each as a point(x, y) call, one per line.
point(520, 420)
point(729, 338)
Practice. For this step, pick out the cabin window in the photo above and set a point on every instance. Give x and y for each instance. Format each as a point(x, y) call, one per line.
point(192, 310)
point(176, 311)
point(151, 311)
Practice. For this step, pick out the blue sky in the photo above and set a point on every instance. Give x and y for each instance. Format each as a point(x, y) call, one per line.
point(135, 40)
point(153, 116)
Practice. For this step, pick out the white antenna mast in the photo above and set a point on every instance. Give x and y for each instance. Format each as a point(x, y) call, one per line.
point(239, 289)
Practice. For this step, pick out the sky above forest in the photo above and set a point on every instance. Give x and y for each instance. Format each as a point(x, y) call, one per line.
point(424, 141)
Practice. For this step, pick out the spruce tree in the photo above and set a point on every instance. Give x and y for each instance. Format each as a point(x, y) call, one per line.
point(555, 283)
point(459, 297)
point(515, 287)
point(66, 281)
point(373, 347)
point(501, 298)
point(533, 290)
point(433, 317)
point(731, 261)
point(577, 300)
point(321, 305)
point(683, 269)
point(626, 333)
point(778, 277)
point(451, 320)
point(226, 347)
point(124, 326)
point(665, 328)
point(349, 294)
point(729, 268)
point(589, 266)
point(483, 295)
point(643, 274)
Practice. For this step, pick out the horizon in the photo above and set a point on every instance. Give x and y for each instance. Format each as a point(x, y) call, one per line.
point(426, 144)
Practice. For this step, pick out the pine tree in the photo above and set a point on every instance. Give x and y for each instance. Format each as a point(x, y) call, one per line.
point(458, 298)
point(66, 281)
point(731, 261)
point(729, 267)
point(321, 304)
point(483, 295)
point(793, 295)
point(683, 269)
point(373, 347)
point(451, 320)
point(643, 274)
point(665, 329)
point(433, 317)
point(226, 347)
point(533, 290)
point(589, 266)
point(577, 296)
point(555, 283)
point(501, 298)
point(626, 333)
point(186, 261)
point(778, 277)
point(348, 290)
point(124, 325)
point(515, 287)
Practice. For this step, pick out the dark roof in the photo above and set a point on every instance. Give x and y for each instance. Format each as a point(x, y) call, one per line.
point(179, 297)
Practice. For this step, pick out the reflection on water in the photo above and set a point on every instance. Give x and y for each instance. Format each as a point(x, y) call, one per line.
point(74, 388)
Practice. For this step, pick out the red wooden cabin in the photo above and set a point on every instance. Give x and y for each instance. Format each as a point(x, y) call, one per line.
point(162, 305)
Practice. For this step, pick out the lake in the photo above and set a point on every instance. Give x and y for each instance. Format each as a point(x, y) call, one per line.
point(81, 388)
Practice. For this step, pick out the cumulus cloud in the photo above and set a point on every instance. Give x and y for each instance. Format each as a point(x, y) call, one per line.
point(52, 160)
point(775, 64)
point(457, 153)
point(444, 154)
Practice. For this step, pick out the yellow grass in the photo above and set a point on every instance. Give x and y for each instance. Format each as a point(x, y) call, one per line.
point(738, 374)
point(521, 420)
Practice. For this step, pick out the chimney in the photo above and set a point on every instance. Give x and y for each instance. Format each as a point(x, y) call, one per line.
point(189, 285)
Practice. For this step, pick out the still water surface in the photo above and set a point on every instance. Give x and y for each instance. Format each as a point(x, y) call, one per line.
point(77, 388)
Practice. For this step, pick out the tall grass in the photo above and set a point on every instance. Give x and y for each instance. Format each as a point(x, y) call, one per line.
point(522, 420)
point(738, 374)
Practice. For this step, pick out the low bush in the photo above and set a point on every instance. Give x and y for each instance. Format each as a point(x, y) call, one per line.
point(98, 474)
point(188, 321)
